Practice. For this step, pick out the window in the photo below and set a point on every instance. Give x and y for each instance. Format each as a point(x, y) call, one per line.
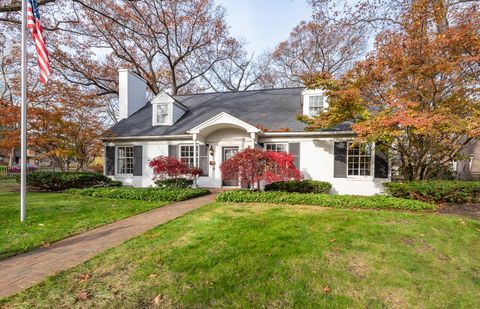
point(161, 114)
point(186, 154)
point(315, 104)
point(276, 147)
point(359, 159)
point(125, 160)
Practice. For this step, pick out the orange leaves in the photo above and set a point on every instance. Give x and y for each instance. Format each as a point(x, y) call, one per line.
point(417, 91)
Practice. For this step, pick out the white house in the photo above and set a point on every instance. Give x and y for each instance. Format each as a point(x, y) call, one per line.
point(206, 129)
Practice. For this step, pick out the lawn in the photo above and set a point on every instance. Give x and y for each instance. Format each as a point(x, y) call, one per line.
point(234, 255)
point(54, 216)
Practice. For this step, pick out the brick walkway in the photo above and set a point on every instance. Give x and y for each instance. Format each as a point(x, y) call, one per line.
point(22, 271)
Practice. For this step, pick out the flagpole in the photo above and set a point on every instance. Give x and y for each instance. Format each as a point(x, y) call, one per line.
point(23, 177)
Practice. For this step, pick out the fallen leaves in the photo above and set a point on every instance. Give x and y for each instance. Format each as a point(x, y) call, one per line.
point(82, 296)
point(84, 277)
point(158, 299)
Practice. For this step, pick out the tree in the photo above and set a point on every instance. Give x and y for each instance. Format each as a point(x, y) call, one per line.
point(165, 167)
point(318, 46)
point(171, 44)
point(251, 166)
point(239, 72)
point(177, 46)
point(417, 92)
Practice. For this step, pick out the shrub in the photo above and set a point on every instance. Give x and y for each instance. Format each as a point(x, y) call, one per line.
point(115, 183)
point(174, 183)
point(304, 186)
point(165, 167)
point(436, 190)
point(326, 200)
point(16, 169)
point(57, 181)
point(144, 194)
point(251, 166)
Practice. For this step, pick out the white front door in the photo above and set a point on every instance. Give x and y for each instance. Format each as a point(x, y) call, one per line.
point(227, 153)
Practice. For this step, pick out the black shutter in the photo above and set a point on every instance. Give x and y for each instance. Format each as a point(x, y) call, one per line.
point(109, 160)
point(340, 160)
point(294, 150)
point(381, 163)
point(137, 160)
point(259, 146)
point(172, 151)
point(203, 159)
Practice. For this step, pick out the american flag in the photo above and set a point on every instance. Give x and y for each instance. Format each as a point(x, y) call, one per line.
point(35, 27)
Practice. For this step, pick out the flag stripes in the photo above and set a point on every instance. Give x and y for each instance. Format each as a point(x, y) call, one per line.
point(35, 26)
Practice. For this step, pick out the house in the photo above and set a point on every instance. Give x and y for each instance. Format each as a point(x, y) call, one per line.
point(469, 168)
point(206, 129)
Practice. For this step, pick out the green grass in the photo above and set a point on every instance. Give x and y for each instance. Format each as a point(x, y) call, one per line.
point(54, 216)
point(241, 256)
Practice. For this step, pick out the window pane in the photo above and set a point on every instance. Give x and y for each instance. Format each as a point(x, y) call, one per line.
point(359, 159)
point(280, 147)
point(162, 113)
point(125, 160)
point(315, 104)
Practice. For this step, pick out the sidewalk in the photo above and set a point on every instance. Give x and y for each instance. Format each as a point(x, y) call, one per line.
point(22, 271)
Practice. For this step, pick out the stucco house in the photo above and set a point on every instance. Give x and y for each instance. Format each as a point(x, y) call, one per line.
point(206, 129)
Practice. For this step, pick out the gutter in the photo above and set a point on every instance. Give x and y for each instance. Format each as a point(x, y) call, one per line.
point(301, 134)
point(153, 137)
point(265, 134)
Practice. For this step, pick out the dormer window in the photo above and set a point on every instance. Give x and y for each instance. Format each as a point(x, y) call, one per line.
point(162, 114)
point(166, 110)
point(315, 105)
point(314, 102)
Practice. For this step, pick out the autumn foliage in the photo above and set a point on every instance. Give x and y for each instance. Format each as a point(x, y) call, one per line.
point(252, 166)
point(165, 167)
point(417, 92)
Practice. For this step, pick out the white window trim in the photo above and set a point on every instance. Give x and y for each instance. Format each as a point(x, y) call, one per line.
point(179, 152)
point(116, 160)
point(372, 164)
point(323, 104)
point(169, 117)
point(281, 143)
point(306, 100)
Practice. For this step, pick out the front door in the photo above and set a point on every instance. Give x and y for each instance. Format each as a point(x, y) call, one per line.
point(227, 153)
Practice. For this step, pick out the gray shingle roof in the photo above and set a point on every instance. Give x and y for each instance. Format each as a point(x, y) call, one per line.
point(270, 108)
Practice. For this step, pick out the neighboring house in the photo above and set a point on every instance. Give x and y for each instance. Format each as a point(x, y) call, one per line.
point(206, 129)
point(5, 155)
point(469, 169)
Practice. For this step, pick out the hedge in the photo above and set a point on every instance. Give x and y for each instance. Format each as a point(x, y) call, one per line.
point(300, 186)
point(57, 181)
point(174, 183)
point(436, 191)
point(144, 194)
point(326, 200)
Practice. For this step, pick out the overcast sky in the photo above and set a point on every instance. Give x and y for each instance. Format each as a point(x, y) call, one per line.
point(264, 23)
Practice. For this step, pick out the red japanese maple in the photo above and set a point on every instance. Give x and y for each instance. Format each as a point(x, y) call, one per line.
point(251, 166)
point(170, 167)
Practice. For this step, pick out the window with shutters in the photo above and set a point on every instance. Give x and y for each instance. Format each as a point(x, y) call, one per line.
point(359, 159)
point(276, 147)
point(125, 160)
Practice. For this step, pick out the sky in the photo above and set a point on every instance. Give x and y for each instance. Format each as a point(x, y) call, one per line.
point(264, 23)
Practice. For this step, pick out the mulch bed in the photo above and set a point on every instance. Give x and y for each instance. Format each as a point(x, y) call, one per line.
point(471, 211)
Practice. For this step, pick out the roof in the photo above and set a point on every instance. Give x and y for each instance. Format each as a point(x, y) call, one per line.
point(270, 108)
